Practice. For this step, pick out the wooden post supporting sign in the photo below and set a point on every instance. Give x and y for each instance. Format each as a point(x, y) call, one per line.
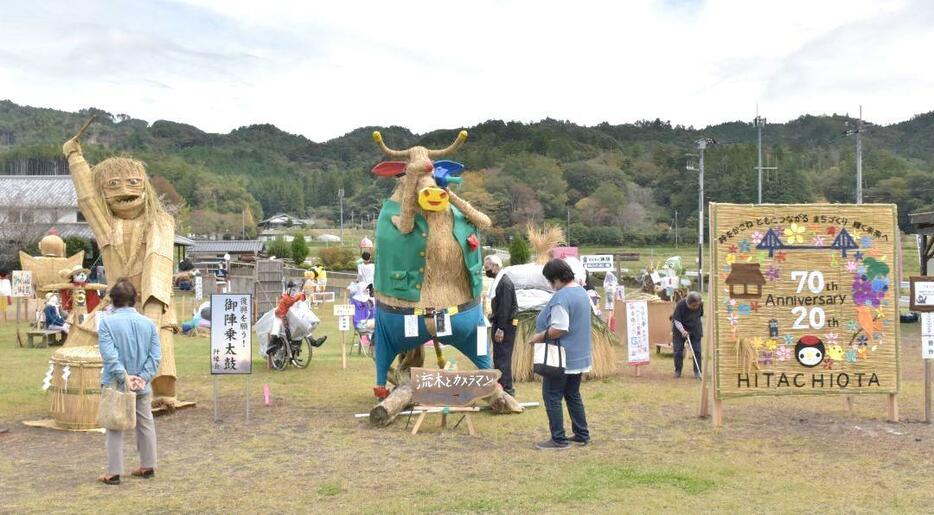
point(921, 295)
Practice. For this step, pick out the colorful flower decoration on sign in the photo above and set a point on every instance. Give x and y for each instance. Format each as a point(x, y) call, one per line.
point(818, 241)
point(756, 237)
point(789, 339)
point(795, 234)
point(744, 246)
point(783, 353)
point(773, 273)
point(765, 357)
point(745, 309)
point(832, 231)
point(851, 265)
point(865, 242)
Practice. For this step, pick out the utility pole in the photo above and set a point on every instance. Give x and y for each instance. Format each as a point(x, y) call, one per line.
point(340, 194)
point(858, 131)
point(759, 122)
point(859, 157)
point(676, 228)
point(701, 146)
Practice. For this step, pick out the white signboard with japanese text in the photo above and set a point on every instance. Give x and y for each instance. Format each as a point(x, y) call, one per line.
point(927, 335)
point(199, 287)
point(637, 329)
point(231, 334)
point(22, 284)
point(343, 323)
point(598, 262)
point(343, 310)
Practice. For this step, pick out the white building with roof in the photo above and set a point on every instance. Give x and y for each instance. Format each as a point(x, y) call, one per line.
point(38, 199)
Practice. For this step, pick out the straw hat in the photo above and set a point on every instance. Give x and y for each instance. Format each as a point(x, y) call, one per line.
point(69, 273)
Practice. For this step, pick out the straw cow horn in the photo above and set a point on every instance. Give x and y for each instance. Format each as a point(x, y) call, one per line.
point(461, 138)
point(394, 154)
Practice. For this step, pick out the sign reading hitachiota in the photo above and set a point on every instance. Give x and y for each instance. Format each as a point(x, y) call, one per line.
point(804, 298)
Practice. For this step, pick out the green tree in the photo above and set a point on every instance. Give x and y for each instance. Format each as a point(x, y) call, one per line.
point(278, 247)
point(519, 252)
point(299, 248)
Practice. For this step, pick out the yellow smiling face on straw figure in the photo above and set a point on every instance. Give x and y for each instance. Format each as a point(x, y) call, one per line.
point(433, 198)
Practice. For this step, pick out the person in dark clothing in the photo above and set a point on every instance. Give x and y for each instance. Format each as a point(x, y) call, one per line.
point(686, 323)
point(186, 265)
point(503, 319)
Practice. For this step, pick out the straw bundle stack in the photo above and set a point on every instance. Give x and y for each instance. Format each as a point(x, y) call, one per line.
point(73, 400)
point(604, 355)
point(543, 240)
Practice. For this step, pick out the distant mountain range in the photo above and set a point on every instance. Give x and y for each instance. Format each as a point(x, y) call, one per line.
point(629, 178)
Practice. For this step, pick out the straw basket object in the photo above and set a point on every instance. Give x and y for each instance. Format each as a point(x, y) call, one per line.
point(73, 401)
point(604, 355)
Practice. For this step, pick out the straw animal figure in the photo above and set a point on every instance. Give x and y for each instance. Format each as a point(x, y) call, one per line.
point(136, 238)
point(428, 264)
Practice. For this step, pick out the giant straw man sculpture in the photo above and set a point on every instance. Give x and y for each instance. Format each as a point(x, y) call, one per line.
point(428, 266)
point(136, 238)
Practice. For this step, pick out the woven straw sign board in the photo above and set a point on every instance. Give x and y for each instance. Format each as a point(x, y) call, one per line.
point(805, 298)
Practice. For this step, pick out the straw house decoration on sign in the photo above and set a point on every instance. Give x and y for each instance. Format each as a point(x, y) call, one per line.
point(745, 281)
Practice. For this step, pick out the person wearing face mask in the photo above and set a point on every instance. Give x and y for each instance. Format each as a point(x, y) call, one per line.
point(504, 307)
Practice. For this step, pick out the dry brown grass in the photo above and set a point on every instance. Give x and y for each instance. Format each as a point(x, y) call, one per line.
point(306, 453)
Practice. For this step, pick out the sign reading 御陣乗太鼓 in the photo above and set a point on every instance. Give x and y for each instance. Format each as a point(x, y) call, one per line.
point(231, 334)
point(804, 298)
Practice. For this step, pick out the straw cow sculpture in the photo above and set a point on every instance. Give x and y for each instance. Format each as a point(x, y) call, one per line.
point(429, 268)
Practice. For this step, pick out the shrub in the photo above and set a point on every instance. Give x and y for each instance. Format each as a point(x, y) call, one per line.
point(279, 248)
point(338, 258)
point(299, 249)
point(519, 252)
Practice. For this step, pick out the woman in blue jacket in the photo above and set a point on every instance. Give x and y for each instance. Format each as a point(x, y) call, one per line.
point(566, 318)
point(129, 344)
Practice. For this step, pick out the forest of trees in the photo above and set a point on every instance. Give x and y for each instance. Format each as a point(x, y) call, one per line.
point(619, 184)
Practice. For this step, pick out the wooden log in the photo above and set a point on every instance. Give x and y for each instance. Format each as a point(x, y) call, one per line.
point(385, 412)
point(502, 403)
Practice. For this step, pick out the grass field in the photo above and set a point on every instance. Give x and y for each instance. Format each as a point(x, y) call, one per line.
point(306, 453)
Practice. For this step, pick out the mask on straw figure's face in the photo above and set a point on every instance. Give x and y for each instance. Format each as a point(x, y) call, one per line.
point(433, 198)
point(125, 189)
point(79, 278)
point(53, 300)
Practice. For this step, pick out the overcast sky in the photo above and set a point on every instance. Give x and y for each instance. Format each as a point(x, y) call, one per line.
point(324, 68)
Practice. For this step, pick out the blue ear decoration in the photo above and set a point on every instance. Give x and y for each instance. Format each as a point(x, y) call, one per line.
point(446, 172)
